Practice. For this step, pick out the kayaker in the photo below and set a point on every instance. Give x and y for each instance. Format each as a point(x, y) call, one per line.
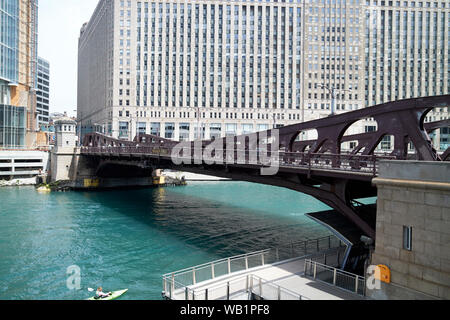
point(100, 294)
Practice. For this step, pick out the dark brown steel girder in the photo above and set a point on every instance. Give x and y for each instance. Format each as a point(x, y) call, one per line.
point(403, 119)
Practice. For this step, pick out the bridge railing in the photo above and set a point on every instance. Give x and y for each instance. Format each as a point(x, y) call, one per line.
point(179, 280)
point(344, 162)
point(151, 150)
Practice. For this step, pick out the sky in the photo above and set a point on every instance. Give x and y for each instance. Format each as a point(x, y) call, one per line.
point(59, 27)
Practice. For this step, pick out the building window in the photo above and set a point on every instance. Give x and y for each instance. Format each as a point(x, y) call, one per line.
point(170, 129)
point(184, 131)
point(155, 128)
point(407, 238)
point(231, 129)
point(123, 130)
point(215, 131)
point(141, 128)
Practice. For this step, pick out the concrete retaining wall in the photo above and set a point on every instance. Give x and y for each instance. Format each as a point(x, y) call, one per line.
point(23, 164)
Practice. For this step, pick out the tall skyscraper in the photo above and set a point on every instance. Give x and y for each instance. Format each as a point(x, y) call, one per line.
point(207, 68)
point(43, 92)
point(18, 54)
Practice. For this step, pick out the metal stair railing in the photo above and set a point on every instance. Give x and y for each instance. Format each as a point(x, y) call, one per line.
point(179, 280)
point(335, 277)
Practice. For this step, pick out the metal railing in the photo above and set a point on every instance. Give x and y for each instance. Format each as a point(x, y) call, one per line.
point(248, 287)
point(336, 277)
point(176, 281)
point(341, 162)
point(156, 150)
point(267, 290)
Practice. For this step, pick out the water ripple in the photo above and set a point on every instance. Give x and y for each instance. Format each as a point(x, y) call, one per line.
point(128, 239)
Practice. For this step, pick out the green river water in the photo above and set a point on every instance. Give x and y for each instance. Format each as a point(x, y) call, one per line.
point(130, 238)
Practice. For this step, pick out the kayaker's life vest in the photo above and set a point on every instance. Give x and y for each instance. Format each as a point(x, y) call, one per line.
point(100, 294)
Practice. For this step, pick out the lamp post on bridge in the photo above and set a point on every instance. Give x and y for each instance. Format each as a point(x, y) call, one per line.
point(199, 125)
point(333, 92)
point(199, 133)
point(130, 123)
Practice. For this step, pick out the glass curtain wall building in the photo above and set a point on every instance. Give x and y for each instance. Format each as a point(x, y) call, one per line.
point(18, 48)
point(210, 68)
point(9, 35)
point(12, 118)
point(13, 126)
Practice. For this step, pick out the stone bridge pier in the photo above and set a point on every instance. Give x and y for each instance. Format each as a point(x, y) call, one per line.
point(74, 170)
point(81, 172)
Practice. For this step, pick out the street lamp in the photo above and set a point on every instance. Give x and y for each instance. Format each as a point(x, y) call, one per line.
point(137, 124)
point(333, 92)
point(130, 129)
point(199, 134)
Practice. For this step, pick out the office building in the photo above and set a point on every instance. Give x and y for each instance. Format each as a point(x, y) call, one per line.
point(206, 68)
point(43, 93)
point(18, 51)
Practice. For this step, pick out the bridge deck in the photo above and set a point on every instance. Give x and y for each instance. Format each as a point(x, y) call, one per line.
point(322, 170)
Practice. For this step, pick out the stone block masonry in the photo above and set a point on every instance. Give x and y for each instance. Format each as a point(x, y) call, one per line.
point(415, 195)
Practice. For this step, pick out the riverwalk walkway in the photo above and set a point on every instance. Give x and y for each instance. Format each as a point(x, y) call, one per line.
point(288, 276)
point(307, 277)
